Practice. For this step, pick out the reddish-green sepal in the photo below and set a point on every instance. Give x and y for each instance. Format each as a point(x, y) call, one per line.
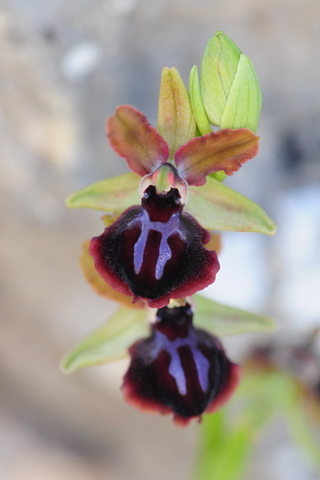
point(223, 150)
point(136, 140)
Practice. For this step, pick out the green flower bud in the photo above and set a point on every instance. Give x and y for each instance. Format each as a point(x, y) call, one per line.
point(229, 87)
point(197, 103)
point(175, 121)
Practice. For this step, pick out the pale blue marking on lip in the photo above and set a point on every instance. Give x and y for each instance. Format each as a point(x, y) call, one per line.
point(177, 372)
point(166, 229)
point(175, 368)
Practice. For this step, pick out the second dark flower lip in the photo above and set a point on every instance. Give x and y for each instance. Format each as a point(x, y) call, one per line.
point(155, 252)
point(179, 369)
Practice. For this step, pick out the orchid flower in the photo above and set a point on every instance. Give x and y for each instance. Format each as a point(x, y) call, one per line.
point(155, 252)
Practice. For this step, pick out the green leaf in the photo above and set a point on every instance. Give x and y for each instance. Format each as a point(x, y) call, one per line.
point(306, 436)
point(218, 207)
point(175, 121)
point(222, 320)
point(218, 70)
point(266, 392)
point(245, 99)
point(113, 195)
point(109, 342)
point(225, 448)
point(196, 102)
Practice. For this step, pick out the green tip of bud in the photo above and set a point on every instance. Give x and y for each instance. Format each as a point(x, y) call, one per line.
point(218, 70)
point(197, 103)
point(244, 102)
point(229, 87)
point(175, 121)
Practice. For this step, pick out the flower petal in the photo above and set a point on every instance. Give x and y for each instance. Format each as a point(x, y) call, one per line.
point(113, 195)
point(218, 207)
point(99, 285)
point(155, 252)
point(133, 138)
point(175, 120)
point(109, 342)
point(223, 150)
point(178, 369)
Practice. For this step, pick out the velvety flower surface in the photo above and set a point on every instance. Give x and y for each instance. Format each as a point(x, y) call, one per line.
point(155, 251)
point(179, 369)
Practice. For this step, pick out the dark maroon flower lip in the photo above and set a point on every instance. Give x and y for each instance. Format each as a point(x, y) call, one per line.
point(155, 252)
point(179, 369)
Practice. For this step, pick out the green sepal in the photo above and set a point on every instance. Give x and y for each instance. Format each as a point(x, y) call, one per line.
point(218, 70)
point(175, 121)
point(113, 195)
point(196, 102)
point(218, 207)
point(222, 320)
point(245, 99)
point(109, 342)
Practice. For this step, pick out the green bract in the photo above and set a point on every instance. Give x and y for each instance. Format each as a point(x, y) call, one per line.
point(218, 207)
point(112, 195)
point(222, 320)
point(109, 342)
point(230, 90)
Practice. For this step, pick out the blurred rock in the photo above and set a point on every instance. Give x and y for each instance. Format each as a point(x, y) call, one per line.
point(80, 60)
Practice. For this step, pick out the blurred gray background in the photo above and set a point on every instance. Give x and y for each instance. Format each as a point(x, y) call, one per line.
point(64, 66)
